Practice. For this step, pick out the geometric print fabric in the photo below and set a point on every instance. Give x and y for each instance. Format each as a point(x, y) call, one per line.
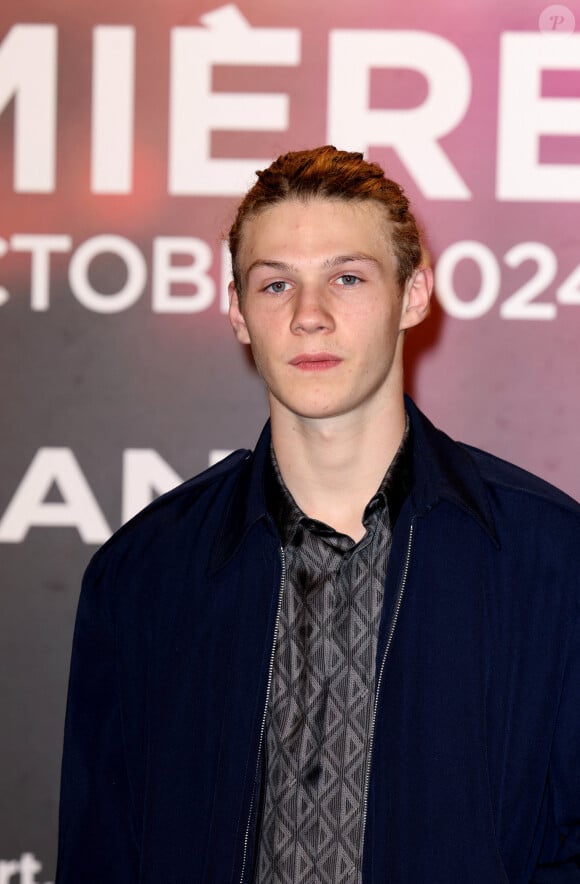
point(322, 694)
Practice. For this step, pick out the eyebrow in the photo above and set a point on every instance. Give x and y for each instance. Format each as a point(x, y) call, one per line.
point(346, 259)
point(328, 264)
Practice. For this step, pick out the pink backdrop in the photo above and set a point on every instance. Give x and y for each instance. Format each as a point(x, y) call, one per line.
point(127, 132)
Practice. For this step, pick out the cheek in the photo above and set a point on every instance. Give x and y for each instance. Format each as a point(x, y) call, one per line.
point(380, 325)
point(260, 353)
point(381, 345)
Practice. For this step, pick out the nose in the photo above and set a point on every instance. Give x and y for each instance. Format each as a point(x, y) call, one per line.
point(311, 310)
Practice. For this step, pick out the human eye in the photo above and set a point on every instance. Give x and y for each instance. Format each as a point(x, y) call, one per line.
point(277, 288)
point(348, 279)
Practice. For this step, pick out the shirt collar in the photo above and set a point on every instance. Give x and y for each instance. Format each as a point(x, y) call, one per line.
point(441, 470)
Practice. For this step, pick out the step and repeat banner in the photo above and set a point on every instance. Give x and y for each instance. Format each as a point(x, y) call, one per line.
point(128, 131)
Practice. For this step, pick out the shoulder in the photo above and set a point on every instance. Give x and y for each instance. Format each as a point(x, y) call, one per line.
point(175, 514)
point(506, 478)
point(483, 484)
point(529, 513)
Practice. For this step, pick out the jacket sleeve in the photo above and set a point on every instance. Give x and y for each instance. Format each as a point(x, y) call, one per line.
point(97, 834)
point(560, 858)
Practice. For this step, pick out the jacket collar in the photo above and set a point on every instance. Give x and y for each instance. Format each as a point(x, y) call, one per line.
point(442, 470)
point(445, 470)
point(247, 504)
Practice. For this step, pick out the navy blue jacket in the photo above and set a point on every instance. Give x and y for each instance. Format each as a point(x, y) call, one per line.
point(475, 774)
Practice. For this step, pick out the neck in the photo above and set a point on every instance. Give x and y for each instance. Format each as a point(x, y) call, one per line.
point(332, 467)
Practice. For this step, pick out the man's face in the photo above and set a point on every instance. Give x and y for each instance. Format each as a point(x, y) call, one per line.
point(321, 307)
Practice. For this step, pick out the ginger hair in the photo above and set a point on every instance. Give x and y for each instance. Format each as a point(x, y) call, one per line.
point(328, 173)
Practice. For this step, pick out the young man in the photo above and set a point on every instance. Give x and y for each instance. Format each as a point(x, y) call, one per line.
point(352, 655)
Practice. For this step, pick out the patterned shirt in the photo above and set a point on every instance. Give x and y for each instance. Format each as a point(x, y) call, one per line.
point(322, 693)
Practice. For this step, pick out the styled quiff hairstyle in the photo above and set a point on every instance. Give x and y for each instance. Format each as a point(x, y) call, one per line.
point(328, 173)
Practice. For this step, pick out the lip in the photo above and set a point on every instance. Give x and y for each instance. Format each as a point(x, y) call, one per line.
point(315, 361)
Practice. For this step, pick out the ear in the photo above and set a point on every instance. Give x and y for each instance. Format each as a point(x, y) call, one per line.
point(416, 298)
point(236, 316)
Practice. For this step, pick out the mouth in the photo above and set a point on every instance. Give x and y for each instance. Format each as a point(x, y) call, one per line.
point(315, 361)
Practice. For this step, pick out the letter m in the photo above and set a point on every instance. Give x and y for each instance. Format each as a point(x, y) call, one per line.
point(28, 67)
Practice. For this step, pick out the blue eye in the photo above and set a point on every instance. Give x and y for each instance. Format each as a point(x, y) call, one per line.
point(277, 288)
point(348, 279)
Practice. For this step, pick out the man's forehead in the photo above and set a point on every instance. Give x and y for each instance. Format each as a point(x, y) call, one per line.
point(332, 231)
point(292, 205)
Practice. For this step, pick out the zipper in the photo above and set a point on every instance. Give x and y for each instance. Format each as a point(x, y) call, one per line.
point(265, 713)
point(382, 669)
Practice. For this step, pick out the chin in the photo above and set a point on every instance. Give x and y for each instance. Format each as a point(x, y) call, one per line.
point(318, 411)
